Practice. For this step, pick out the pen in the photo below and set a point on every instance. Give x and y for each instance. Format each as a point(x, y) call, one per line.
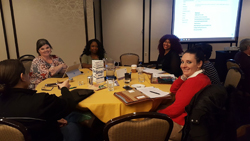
point(51, 84)
point(154, 92)
point(72, 87)
point(101, 86)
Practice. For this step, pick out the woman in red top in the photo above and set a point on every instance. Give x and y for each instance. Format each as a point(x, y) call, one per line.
point(184, 88)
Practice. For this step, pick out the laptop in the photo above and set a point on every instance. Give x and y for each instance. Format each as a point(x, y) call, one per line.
point(72, 71)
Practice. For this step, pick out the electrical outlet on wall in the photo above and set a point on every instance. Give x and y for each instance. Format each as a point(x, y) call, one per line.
point(146, 54)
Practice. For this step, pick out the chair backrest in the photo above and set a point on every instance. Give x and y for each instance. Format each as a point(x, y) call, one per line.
point(140, 126)
point(11, 130)
point(128, 59)
point(26, 56)
point(232, 63)
point(81, 59)
point(27, 61)
point(208, 116)
point(233, 77)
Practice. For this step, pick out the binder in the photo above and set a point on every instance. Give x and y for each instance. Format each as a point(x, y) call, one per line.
point(131, 96)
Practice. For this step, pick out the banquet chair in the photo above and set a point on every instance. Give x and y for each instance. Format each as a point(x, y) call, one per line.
point(11, 130)
point(139, 126)
point(233, 77)
point(128, 59)
point(80, 59)
point(231, 63)
point(27, 56)
point(209, 116)
point(27, 61)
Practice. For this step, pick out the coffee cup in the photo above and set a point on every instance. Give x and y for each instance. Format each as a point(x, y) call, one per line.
point(133, 68)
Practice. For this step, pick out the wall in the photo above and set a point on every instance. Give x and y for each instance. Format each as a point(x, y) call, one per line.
point(9, 30)
point(122, 27)
point(97, 16)
point(90, 19)
point(161, 24)
point(120, 13)
point(62, 23)
point(3, 54)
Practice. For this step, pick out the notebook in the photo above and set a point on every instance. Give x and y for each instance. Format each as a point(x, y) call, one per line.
point(72, 71)
point(131, 96)
point(162, 78)
point(141, 94)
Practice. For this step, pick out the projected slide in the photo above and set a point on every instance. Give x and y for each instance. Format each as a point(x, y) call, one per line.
point(205, 20)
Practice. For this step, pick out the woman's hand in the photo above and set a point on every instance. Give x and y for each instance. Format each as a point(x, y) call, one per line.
point(63, 68)
point(64, 84)
point(55, 70)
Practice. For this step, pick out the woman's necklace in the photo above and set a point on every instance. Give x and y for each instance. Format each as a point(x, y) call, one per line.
point(47, 59)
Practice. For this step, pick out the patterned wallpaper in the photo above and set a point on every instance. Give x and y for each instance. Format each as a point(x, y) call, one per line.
point(59, 21)
point(64, 12)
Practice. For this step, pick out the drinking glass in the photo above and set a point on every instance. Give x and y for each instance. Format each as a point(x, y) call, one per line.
point(110, 84)
point(127, 83)
point(127, 79)
point(80, 83)
point(141, 77)
point(110, 67)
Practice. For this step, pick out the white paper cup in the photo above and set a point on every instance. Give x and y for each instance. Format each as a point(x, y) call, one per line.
point(133, 68)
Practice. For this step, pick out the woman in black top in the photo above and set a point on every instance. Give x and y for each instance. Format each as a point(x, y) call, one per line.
point(169, 49)
point(16, 100)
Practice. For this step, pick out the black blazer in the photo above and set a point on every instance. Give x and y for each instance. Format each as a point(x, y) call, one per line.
point(27, 103)
point(170, 63)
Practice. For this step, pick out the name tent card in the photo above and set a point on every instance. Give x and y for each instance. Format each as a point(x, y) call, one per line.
point(98, 71)
point(121, 73)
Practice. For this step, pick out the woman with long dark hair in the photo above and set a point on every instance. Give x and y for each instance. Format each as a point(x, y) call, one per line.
point(16, 100)
point(93, 51)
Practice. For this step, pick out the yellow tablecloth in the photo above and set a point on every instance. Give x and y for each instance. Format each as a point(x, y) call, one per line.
point(103, 104)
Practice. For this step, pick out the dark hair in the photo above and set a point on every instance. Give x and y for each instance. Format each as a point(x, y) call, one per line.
point(206, 48)
point(199, 55)
point(174, 41)
point(100, 51)
point(244, 43)
point(40, 43)
point(10, 71)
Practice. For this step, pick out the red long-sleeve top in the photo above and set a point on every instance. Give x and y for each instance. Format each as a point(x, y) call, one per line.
point(184, 92)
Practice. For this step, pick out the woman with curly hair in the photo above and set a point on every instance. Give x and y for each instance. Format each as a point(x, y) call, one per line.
point(169, 49)
point(93, 51)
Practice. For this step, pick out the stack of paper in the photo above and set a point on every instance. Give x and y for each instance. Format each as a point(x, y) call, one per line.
point(148, 70)
point(153, 92)
point(163, 75)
